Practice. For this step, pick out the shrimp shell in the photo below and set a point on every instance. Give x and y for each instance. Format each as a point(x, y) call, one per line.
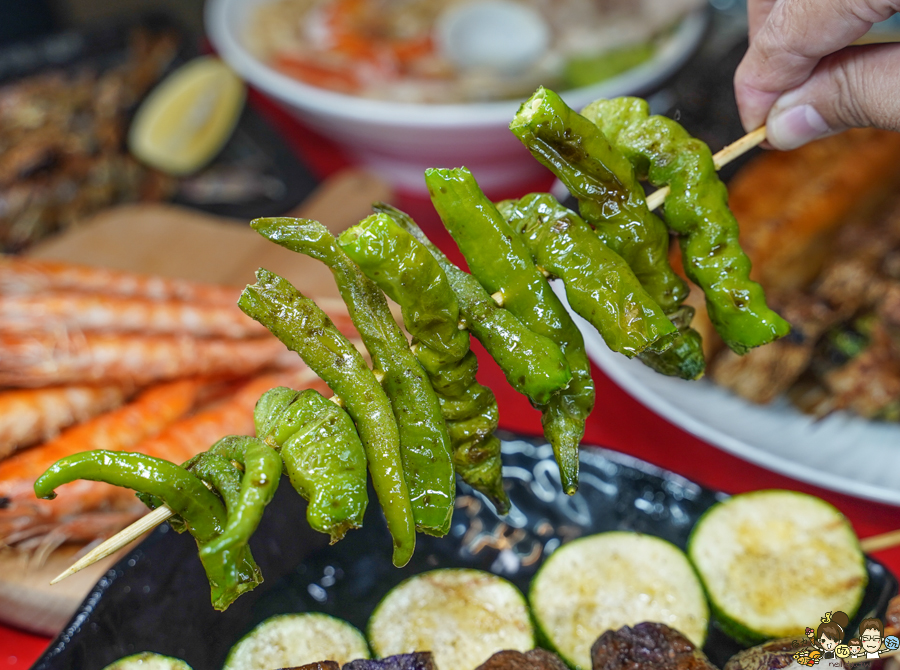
point(27, 519)
point(61, 310)
point(27, 275)
point(38, 415)
point(20, 275)
point(45, 360)
point(120, 429)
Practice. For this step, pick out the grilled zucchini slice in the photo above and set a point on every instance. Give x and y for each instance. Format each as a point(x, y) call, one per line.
point(148, 661)
point(290, 640)
point(773, 562)
point(462, 616)
point(606, 581)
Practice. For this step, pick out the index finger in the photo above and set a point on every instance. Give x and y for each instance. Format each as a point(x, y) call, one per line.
point(794, 37)
point(757, 13)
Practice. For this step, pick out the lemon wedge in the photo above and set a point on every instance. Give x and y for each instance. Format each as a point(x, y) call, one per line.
point(188, 117)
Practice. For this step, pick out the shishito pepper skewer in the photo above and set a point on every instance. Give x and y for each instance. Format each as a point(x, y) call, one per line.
point(661, 150)
point(500, 261)
point(322, 455)
point(306, 329)
point(610, 197)
point(721, 158)
point(425, 449)
point(533, 364)
point(262, 472)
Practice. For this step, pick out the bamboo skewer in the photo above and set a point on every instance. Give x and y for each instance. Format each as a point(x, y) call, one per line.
point(724, 157)
point(119, 540)
point(880, 542)
point(156, 517)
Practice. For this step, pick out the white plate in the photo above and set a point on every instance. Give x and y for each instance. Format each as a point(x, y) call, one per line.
point(842, 452)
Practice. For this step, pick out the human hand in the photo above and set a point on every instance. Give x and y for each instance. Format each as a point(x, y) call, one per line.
point(801, 78)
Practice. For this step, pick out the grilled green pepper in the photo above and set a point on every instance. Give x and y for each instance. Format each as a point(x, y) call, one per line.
point(220, 474)
point(599, 284)
point(684, 358)
point(262, 473)
point(612, 200)
point(661, 150)
point(426, 288)
point(322, 455)
point(304, 328)
point(269, 418)
point(609, 195)
point(425, 448)
point(502, 264)
point(410, 277)
point(431, 313)
point(230, 571)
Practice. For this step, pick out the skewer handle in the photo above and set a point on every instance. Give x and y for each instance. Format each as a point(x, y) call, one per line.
point(722, 158)
point(119, 540)
point(880, 542)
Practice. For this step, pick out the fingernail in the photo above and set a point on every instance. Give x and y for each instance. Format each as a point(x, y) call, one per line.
point(795, 127)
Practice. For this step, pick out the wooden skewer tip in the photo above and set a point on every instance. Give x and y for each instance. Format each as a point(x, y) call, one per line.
point(117, 541)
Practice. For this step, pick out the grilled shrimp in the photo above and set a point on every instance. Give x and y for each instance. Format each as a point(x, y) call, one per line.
point(123, 428)
point(26, 275)
point(39, 522)
point(55, 311)
point(44, 360)
point(37, 415)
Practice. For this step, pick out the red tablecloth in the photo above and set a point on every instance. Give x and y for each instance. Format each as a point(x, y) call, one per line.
point(618, 422)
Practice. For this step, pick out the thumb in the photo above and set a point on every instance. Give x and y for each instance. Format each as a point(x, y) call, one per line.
point(855, 87)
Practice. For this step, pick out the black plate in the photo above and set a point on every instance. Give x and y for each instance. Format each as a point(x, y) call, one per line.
point(157, 598)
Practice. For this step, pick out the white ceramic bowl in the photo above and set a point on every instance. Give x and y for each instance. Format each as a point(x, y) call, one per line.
point(400, 140)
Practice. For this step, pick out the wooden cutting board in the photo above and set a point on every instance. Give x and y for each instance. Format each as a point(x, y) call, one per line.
point(181, 243)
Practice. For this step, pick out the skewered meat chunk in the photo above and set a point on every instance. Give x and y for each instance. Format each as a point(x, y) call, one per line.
point(892, 617)
point(646, 645)
point(419, 660)
point(536, 659)
point(318, 665)
point(768, 656)
point(766, 372)
point(788, 224)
